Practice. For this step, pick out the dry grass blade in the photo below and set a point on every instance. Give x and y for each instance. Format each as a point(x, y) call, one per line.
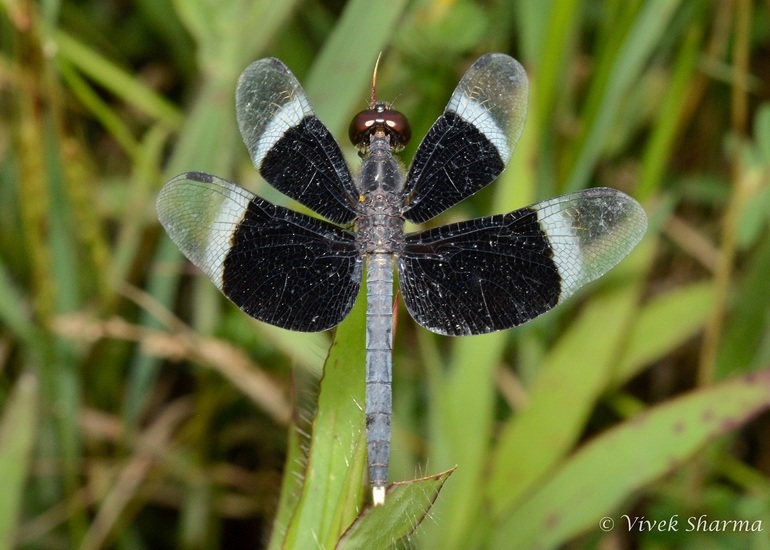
point(226, 359)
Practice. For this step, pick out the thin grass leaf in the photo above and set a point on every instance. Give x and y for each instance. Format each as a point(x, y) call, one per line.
point(229, 35)
point(634, 51)
point(344, 65)
point(15, 309)
point(462, 401)
point(291, 487)
point(116, 80)
point(534, 22)
point(62, 383)
point(745, 342)
point(18, 433)
point(143, 184)
point(100, 109)
point(208, 142)
point(662, 325)
point(667, 124)
point(562, 24)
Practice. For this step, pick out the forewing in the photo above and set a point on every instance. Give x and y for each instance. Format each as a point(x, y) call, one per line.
point(289, 146)
point(472, 141)
point(498, 272)
point(279, 266)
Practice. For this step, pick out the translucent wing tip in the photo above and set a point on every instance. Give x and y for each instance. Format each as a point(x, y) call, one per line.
point(590, 232)
point(493, 95)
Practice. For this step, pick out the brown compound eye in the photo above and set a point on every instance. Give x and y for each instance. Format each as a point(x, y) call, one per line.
point(399, 127)
point(361, 125)
point(381, 118)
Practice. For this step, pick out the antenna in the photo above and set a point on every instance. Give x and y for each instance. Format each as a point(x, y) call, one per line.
point(374, 82)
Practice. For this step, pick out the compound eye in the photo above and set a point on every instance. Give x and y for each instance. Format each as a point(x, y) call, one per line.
point(398, 126)
point(362, 125)
point(380, 118)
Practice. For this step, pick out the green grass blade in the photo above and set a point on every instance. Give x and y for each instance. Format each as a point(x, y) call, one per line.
point(562, 23)
point(745, 343)
point(116, 80)
point(100, 109)
point(344, 66)
point(337, 459)
point(607, 94)
point(609, 469)
point(208, 142)
point(14, 309)
point(462, 401)
point(663, 324)
point(291, 486)
point(229, 34)
point(667, 124)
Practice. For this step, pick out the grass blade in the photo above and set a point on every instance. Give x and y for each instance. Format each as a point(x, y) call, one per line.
point(607, 95)
point(344, 65)
point(462, 402)
point(17, 438)
point(337, 459)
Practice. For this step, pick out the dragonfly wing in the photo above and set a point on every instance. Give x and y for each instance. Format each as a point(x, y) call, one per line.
point(472, 141)
point(277, 265)
point(289, 145)
point(498, 272)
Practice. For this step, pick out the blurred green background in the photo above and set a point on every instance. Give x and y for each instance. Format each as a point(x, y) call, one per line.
point(140, 409)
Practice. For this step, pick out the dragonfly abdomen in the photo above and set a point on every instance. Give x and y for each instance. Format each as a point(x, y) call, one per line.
point(379, 348)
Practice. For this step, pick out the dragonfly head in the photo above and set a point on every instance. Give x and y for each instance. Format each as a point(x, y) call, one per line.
point(379, 119)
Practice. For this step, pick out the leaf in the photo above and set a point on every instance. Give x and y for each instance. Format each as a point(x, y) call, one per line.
point(14, 308)
point(462, 403)
point(745, 338)
point(290, 487)
point(407, 505)
point(116, 80)
point(345, 63)
point(667, 122)
point(599, 477)
point(762, 131)
point(663, 324)
point(337, 458)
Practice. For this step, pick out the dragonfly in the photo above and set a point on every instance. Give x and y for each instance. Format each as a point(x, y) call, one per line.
point(304, 273)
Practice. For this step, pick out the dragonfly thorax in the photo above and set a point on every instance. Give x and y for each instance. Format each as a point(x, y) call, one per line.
point(382, 230)
point(380, 170)
point(381, 181)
